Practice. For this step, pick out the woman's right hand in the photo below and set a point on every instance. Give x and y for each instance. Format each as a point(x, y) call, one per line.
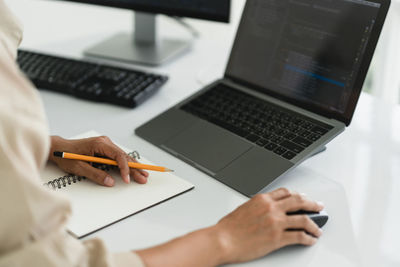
point(262, 225)
point(255, 229)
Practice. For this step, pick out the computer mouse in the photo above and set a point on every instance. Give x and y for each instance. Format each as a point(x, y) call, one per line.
point(320, 218)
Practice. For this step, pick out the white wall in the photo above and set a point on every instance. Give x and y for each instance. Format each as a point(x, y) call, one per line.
point(385, 69)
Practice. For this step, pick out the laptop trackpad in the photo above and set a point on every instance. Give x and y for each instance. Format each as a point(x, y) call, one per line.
point(208, 146)
point(253, 171)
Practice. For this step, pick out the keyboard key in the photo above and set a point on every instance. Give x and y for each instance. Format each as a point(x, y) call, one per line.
point(301, 141)
point(285, 132)
point(252, 137)
point(279, 150)
point(279, 132)
point(259, 132)
point(298, 121)
point(289, 155)
point(313, 137)
point(305, 134)
point(267, 135)
point(271, 146)
point(276, 139)
point(290, 136)
point(292, 146)
point(308, 125)
point(319, 130)
point(297, 130)
point(262, 142)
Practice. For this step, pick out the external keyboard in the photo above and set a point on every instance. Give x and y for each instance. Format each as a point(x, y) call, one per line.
point(282, 131)
point(82, 79)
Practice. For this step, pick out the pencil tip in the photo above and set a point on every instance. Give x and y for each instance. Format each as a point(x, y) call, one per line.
point(169, 170)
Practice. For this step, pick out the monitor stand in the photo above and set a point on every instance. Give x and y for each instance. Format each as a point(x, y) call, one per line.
point(143, 46)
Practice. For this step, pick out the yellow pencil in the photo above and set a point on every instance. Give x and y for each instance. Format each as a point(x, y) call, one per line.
point(134, 165)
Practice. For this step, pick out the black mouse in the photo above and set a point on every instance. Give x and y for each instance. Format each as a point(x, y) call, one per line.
point(320, 218)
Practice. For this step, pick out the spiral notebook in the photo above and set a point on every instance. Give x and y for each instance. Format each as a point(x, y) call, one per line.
point(95, 207)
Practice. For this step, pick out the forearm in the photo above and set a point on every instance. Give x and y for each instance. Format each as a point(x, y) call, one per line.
point(200, 248)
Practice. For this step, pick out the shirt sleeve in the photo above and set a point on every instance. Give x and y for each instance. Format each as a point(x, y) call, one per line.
point(33, 218)
point(11, 30)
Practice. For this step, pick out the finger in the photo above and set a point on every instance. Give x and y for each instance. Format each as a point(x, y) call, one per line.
point(143, 172)
point(138, 175)
point(298, 237)
point(124, 169)
point(299, 202)
point(98, 176)
point(104, 146)
point(280, 193)
point(303, 222)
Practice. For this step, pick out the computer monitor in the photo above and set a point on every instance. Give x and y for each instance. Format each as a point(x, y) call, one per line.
point(144, 45)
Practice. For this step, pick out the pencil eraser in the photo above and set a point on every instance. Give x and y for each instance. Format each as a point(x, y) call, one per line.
point(58, 154)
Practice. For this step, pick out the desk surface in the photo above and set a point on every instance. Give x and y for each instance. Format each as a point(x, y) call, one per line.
point(357, 177)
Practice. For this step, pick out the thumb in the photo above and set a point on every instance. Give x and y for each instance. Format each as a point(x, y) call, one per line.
point(98, 176)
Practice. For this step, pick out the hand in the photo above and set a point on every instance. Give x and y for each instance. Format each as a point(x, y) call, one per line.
point(95, 146)
point(253, 230)
point(261, 225)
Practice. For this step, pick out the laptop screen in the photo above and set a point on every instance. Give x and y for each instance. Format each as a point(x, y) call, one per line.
point(312, 53)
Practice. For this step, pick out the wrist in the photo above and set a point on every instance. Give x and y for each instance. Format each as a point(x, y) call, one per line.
point(220, 243)
point(200, 248)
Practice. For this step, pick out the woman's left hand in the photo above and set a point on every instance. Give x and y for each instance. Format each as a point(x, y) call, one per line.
point(96, 146)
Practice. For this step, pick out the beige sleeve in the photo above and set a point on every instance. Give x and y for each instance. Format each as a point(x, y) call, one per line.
point(33, 219)
point(11, 30)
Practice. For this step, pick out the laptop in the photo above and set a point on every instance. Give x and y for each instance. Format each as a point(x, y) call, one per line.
point(291, 85)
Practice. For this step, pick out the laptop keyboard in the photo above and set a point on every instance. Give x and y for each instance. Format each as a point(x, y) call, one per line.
point(274, 128)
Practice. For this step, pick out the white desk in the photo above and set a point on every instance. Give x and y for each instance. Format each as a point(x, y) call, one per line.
point(357, 177)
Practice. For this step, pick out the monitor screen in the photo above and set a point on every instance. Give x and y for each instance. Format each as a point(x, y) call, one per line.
point(309, 52)
point(203, 9)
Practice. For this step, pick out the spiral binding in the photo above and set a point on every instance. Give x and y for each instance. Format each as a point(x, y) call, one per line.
point(70, 179)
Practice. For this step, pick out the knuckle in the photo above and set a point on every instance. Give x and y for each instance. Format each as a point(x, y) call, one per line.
point(265, 201)
point(102, 139)
point(122, 160)
point(305, 220)
point(301, 237)
point(105, 138)
point(285, 190)
point(263, 198)
point(121, 156)
point(300, 199)
point(268, 206)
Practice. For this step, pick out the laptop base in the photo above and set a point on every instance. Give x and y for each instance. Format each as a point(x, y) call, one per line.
point(320, 150)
